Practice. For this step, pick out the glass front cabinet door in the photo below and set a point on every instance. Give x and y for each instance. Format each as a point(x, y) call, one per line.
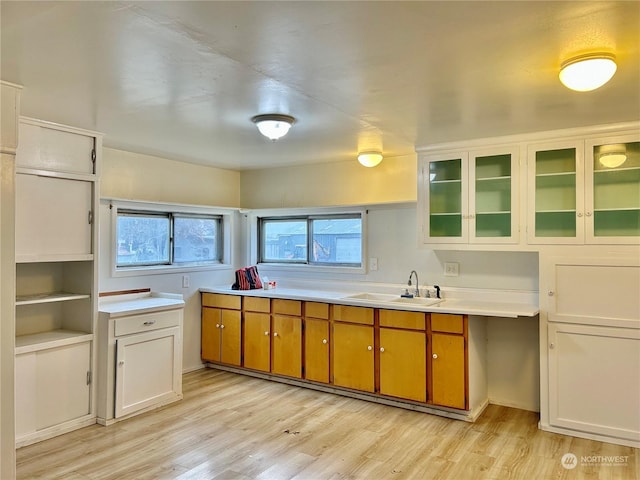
point(612, 193)
point(585, 192)
point(470, 197)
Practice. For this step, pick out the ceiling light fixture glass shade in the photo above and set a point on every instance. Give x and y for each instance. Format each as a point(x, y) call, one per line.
point(612, 156)
point(588, 72)
point(370, 159)
point(273, 125)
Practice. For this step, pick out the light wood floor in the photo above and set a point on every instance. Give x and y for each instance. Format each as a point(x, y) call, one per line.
point(234, 427)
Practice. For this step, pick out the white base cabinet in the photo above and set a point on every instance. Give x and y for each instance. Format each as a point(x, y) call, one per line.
point(139, 354)
point(593, 379)
point(53, 390)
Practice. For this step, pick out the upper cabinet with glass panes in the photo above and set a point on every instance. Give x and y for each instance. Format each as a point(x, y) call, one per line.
point(584, 191)
point(470, 197)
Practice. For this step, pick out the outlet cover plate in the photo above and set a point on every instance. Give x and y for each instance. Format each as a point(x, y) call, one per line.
point(451, 269)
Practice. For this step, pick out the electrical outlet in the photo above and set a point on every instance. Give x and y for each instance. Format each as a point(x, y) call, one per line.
point(185, 281)
point(373, 263)
point(451, 269)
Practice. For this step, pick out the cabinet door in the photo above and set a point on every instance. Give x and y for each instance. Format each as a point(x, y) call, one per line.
point(316, 350)
point(556, 193)
point(286, 346)
point(444, 199)
point(612, 193)
point(593, 379)
point(210, 334)
point(52, 217)
point(230, 340)
point(448, 374)
point(353, 359)
point(257, 341)
point(493, 197)
point(403, 364)
point(147, 369)
point(62, 386)
point(53, 149)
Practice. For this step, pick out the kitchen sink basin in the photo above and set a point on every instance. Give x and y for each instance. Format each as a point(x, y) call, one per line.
point(422, 301)
point(378, 297)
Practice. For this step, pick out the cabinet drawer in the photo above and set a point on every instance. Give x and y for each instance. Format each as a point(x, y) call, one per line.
point(444, 322)
point(287, 307)
point(316, 310)
point(221, 301)
point(401, 319)
point(146, 322)
point(344, 313)
point(255, 304)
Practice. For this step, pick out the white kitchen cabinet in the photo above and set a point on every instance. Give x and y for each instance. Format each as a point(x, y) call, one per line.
point(593, 380)
point(54, 218)
point(52, 147)
point(576, 195)
point(139, 354)
point(53, 388)
point(470, 196)
point(56, 274)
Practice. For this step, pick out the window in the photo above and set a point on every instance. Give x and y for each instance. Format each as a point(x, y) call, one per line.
point(313, 239)
point(161, 238)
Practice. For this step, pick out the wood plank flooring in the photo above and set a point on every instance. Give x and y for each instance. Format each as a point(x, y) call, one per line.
point(231, 426)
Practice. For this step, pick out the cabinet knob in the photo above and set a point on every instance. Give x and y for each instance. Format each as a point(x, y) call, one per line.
point(217, 325)
point(435, 355)
point(221, 326)
point(150, 322)
point(369, 348)
point(552, 346)
point(588, 214)
point(324, 341)
point(381, 349)
point(275, 334)
point(121, 363)
point(579, 214)
point(266, 333)
point(550, 293)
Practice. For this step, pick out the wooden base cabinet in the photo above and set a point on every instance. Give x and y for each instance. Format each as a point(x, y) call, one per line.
point(221, 328)
point(448, 372)
point(403, 366)
point(316, 342)
point(257, 341)
point(353, 356)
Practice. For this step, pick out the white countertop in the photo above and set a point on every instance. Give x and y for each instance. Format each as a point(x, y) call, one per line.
point(133, 304)
point(472, 306)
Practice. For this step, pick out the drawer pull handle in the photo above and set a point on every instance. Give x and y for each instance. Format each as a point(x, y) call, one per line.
point(150, 322)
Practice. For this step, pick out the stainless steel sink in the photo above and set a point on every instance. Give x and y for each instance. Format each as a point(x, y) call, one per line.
point(378, 297)
point(422, 301)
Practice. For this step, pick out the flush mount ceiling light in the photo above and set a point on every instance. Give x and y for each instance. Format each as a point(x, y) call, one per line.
point(370, 159)
point(273, 125)
point(588, 72)
point(612, 156)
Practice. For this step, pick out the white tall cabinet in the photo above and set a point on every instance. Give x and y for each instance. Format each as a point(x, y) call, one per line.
point(57, 172)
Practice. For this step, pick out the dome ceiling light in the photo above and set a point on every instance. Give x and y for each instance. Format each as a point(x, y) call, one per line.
point(588, 72)
point(370, 159)
point(612, 156)
point(273, 125)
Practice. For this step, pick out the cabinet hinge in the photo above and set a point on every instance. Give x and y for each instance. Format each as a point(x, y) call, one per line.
point(90, 217)
point(89, 378)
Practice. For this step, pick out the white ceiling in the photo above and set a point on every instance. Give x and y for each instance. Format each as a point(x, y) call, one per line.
point(182, 79)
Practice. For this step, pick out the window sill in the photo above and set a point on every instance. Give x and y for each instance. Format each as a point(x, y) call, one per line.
point(167, 269)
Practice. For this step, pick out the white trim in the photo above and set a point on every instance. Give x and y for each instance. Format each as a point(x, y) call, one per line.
point(228, 225)
point(252, 228)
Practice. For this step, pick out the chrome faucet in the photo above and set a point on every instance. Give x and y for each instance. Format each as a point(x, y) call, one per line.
point(413, 272)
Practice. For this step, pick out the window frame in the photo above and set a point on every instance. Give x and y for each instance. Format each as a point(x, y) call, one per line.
point(225, 216)
point(255, 242)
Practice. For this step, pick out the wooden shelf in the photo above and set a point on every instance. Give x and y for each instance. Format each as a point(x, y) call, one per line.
point(51, 339)
point(49, 298)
